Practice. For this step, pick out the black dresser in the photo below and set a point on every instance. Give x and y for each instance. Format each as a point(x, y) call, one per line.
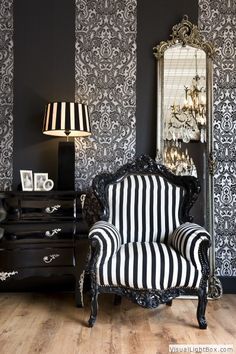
point(43, 241)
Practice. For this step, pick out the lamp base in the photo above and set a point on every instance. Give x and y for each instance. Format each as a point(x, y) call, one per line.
point(66, 166)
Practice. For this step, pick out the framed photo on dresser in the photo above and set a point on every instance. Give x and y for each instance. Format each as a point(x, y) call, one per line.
point(39, 180)
point(26, 177)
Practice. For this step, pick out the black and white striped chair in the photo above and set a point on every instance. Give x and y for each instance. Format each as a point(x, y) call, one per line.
point(145, 246)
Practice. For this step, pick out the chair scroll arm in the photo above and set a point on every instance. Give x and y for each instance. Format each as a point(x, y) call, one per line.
point(106, 238)
point(192, 242)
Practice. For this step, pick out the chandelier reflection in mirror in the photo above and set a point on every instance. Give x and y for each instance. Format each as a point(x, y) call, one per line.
point(187, 121)
point(185, 106)
point(178, 159)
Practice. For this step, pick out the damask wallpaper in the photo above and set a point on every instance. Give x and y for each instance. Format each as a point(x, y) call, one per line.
point(6, 93)
point(105, 75)
point(105, 65)
point(217, 21)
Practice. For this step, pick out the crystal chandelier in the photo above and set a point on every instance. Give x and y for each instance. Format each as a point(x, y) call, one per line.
point(188, 121)
point(179, 161)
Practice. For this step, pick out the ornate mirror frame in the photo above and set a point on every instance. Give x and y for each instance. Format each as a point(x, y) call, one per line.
point(186, 33)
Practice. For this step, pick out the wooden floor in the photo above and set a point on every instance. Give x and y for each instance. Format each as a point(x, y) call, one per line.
point(50, 323)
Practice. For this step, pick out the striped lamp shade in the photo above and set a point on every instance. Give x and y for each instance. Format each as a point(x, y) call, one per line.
point(66, 119)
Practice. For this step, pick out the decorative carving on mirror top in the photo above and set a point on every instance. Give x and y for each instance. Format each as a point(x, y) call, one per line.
point(6, 93)
point(185, 33)
point(217, 22)
point(105, 74)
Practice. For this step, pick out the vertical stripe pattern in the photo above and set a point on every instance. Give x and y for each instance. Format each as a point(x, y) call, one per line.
point(63, 118)
point(186, 240)
point(143, 245)
point(145, 208)
point(109, 241)
point(148, 265)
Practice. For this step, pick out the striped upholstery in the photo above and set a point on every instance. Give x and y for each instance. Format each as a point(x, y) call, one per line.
point(186, 240)
point(108, 237)
point(145, 208)
point(143, 245)
point(147, 265)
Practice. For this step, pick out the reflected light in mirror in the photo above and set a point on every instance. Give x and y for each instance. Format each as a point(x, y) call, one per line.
point(181, 65)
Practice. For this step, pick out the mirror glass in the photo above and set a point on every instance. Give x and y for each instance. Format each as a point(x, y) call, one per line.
point(184, 108)
point(184, 116)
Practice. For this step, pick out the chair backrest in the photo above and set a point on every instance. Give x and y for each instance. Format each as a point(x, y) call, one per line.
point(145, 207)
point(144, 200)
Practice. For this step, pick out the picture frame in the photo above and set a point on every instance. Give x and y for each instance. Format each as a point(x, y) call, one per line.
point(26, 177)
point(48, 185)
point(39, 180)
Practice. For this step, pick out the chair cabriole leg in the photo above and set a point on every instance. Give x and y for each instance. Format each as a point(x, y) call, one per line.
point(202, 302)
point(94, 307)
point(169, 303)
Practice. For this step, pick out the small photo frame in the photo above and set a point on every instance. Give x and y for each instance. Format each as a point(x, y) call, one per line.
point(48, 185)
point(26, 177)
point(39, 180)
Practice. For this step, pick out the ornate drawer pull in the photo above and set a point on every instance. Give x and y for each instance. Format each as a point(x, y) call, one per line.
point(52, 233)
point(5, 275)
point(50, 258)
point(52, 208)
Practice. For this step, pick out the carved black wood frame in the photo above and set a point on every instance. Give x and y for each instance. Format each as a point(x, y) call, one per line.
point(149, 298)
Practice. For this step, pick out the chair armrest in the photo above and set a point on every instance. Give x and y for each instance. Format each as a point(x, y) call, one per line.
point(188, 239)
point(107, 237)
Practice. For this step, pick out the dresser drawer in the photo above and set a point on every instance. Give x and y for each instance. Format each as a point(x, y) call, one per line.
point(44, 257)
point(42, 207)
point(34, 233)
point(39, 232)
point(37, 278)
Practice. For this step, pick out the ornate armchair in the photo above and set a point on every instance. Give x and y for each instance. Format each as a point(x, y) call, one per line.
point(145, 246)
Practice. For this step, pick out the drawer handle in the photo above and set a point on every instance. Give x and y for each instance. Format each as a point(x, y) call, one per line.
point(5, 275)
point(52, 208)
point(52, 233)
point(50, 258)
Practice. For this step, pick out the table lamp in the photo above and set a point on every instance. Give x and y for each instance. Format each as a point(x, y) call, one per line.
point(68, 119)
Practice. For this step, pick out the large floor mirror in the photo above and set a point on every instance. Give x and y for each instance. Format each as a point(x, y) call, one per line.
point(184, 119)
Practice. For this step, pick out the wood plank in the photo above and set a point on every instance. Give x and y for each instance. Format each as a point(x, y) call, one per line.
point(51, 324)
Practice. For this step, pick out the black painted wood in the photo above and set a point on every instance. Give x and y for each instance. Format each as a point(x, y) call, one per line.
point(42, 235)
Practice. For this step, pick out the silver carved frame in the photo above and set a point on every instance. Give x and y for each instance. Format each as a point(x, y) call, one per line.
point(186, 33)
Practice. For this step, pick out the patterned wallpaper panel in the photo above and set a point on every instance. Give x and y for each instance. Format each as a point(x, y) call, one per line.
point(217, 21)
point(105, 65)
point(105, 75)
point(6, 93)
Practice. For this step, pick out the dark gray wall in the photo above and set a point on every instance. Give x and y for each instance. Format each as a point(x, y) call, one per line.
point(154, 24)
point(155, 21)
point(44, 40)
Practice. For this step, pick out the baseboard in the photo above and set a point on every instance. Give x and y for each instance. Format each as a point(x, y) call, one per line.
point(228, 284)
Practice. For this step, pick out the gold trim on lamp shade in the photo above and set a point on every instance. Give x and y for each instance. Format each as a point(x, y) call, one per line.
point(66, 119)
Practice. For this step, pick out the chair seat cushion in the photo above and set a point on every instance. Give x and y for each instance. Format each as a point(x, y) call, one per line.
point(148, 265)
